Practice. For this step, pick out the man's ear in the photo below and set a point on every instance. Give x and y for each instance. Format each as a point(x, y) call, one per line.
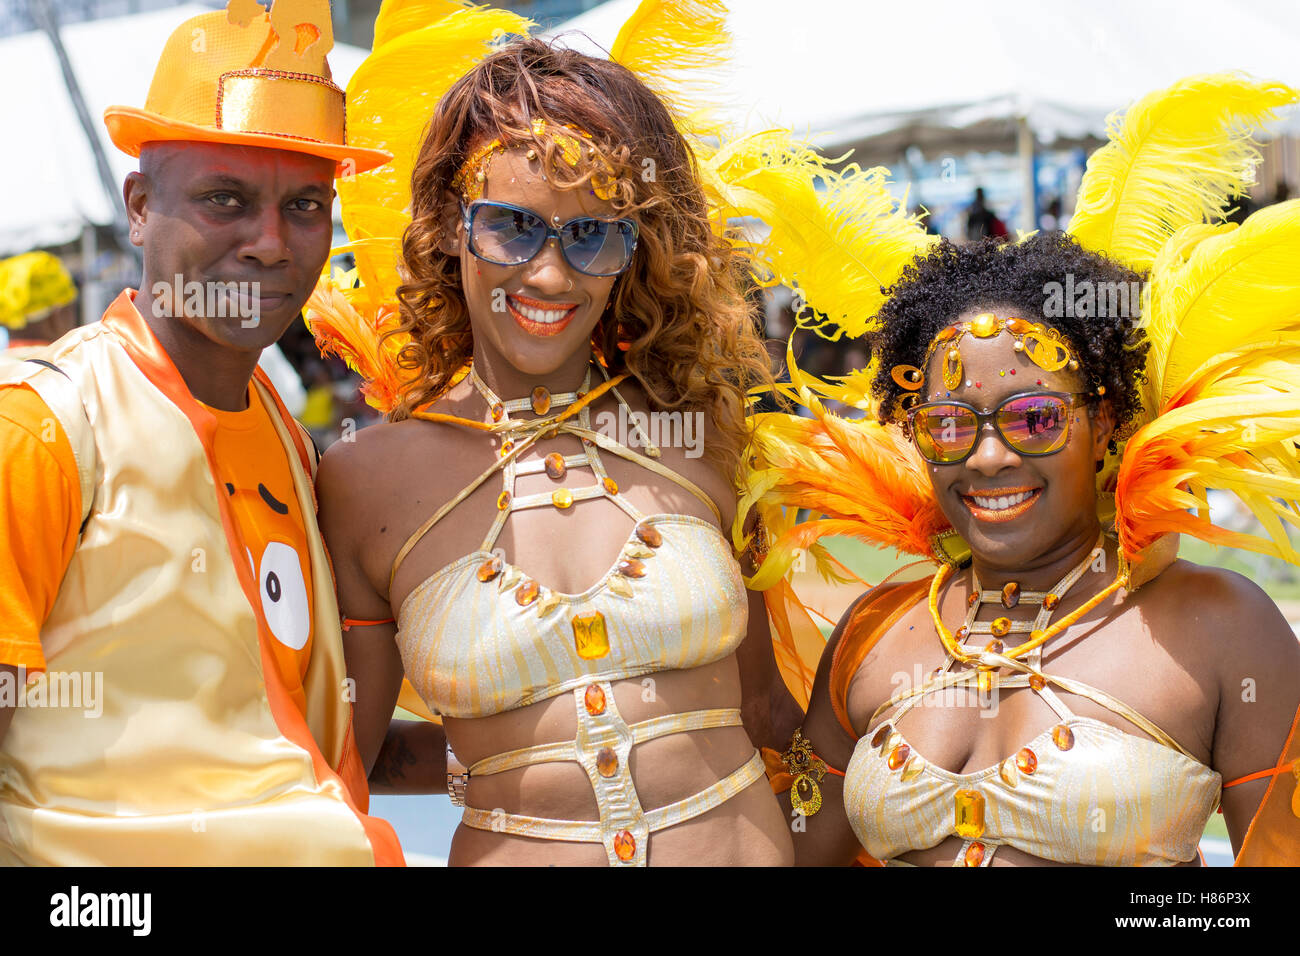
point(453, 228)
point(1102, 416)
point(135, 192)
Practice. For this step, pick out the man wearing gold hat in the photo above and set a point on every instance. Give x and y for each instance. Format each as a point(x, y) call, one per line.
point(174, 689)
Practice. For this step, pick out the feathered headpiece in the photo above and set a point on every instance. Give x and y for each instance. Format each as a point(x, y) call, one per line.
point(836, 237)
point(1223, 369)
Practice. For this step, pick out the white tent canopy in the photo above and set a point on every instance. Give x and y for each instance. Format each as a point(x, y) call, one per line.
point(52, 189)
point(964, 74)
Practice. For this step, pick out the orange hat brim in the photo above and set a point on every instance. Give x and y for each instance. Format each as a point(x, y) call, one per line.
point(131, 128)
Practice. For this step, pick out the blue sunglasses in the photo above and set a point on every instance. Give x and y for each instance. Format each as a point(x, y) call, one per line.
point(507, 235)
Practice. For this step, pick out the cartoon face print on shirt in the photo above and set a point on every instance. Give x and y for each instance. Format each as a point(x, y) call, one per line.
point(279, 570)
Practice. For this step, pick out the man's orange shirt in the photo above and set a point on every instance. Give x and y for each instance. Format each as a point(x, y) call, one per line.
point(40, 512)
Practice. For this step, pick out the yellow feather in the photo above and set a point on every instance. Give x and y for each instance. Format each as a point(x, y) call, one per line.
point(1177, 156)
point(1217, 289)
point(1224, 369)
point(837, 238)
point(402, 16)
point(670, 45)
point(414, 69)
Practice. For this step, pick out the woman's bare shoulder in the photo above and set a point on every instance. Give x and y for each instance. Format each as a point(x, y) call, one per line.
point(1216, 614)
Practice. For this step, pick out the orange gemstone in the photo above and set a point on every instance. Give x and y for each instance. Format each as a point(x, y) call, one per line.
point(589, 636)
point(1007, 771)
point(1001, 626)
point(1010, 594)
point(562, 498)
point(594, 700)
point(503, 501)
point(945, 334)
point(489, 569)
point(881, 735)
point(611, 486)
point(555, 467)
point(606, 762)
point(984, 325)
point(1050, 601)
point(1036, 682)
point(974, 855)
point(986, 680)
point(1063, 737)
point(1026, 761)
point(973, 599)
point(541, 400)
point(497, 411)
point(631, 568)
point(624, 845)
point(995, 646)
point(507, 447)
point(1018, 326)
point(968, 807)
point(527, 592)
point(962, 633)
point(649, 534)
point(898, 756)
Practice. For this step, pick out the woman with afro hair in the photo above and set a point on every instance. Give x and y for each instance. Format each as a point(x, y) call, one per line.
point(1048, 416)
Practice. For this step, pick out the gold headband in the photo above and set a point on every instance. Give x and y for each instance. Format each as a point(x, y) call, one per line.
point(472, 175)
point(1044, 346)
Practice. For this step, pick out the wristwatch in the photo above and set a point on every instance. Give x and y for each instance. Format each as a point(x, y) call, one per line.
point(457, 779)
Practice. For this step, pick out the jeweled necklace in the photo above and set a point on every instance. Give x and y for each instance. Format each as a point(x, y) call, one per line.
point(1011, 596)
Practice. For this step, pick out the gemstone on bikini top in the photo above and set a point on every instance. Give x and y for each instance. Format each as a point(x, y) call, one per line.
point(968, 810)
point(589, 637)
point(898, 756)
point(624, 845)
point(1026, 761)
point(489, 569)
point(527, 592)
point(915, 764)
point(606, 762)
point(631, 568)
point(649, 535)
point(555, 466)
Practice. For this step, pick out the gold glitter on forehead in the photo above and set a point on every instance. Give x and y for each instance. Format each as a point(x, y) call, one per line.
point(471, 179)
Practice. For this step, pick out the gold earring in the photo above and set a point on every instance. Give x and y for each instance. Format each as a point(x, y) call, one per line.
point(952, 369)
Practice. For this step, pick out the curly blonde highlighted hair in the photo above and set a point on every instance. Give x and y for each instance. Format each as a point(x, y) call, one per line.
point(678, 320)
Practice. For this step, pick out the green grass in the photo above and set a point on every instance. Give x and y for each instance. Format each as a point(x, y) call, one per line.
point(1281, 581)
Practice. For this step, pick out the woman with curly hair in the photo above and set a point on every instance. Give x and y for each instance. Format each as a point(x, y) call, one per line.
point(536, 543)
point(1064, 690)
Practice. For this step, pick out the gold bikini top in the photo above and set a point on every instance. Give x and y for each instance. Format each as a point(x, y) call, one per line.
point(479, 636)
point(1081, 792)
